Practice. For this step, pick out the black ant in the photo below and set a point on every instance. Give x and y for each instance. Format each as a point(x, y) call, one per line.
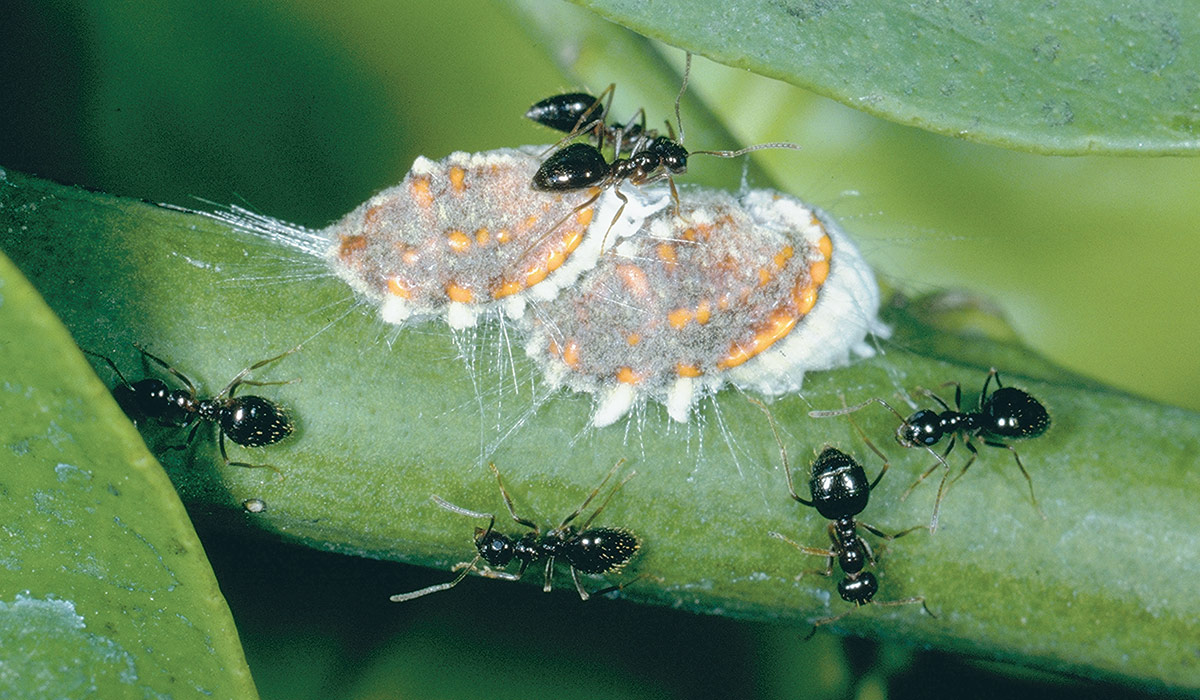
point(840, 491)
point(591, 551)
point(577, 113)
point(582, 165)
point(249, 421)
point(1006, 413)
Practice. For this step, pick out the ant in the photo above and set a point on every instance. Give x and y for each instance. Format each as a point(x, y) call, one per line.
point(652, 158)
point(1007, 413)
point(593, 551)
point(577, 113)
point(581, 165)
point(840, 491)
point(249, 421)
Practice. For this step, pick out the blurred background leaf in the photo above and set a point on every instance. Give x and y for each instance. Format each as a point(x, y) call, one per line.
point(1105, 77)
point(104, 587)
point(304, 110)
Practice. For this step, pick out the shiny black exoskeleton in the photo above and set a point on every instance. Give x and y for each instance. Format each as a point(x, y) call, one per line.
point(581, 165)
point(840, 490)
point(249, 421)
point(586, 549)
point(1005, 414)
point(578, 113)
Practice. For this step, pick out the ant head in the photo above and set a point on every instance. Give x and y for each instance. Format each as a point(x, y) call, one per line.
point(495, 548)
point(860, 589)
point(1010, 412)
point(839, 485)
point(672, 156)
point(921, 429)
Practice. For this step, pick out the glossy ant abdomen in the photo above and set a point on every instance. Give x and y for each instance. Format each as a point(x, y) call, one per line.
point(588, 550)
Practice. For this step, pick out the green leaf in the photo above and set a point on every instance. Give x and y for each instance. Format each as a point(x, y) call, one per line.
point(104, 588)
point(387, 418)
point(1061, 78)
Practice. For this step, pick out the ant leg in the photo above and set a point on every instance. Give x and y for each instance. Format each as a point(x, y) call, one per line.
point(110, 364)
point(906, 601)
point(616, 217)
point(466, 569)
point(787, 470)
point(595, 491)
point(247, 465)
point(188, 442)
point(885, 536)
point(945, 406)
point(509, 504)
point(993, 372)
point(163, 363)
point(239, 379)
point(1023, 472)
point(549, 584)
point(542, 238)
point(614, 588)
point(829, 555)
point(867, 440)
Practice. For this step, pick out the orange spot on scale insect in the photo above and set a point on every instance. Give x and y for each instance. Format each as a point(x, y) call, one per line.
point(679, 318)
point(633, 338)
point(482, 236)
point(783, 256)
point(825, 245)
point(819, 272)
point(703, 312)
point(626, 375)
point(805, 299)
point(666, 253)
point(459, 241)
point(570, 354)
point(421, 194)
point(635, 279)
point(687, 370)
point(351, 244)
point(459, 294)
point(457, 177)
point(779, 324)
point(398, 288)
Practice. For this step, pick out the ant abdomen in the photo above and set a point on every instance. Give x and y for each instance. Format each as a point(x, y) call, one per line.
point(839, 485)
point(600, 550)
point(860, 590)
point(1013, 413)
point(577, 166)
point(564, 112)
point(252, 421)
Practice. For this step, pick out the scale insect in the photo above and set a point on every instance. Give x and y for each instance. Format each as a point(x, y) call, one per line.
point(840, 490)
point(586, 549)
point(1007, 413)
point(247, 420)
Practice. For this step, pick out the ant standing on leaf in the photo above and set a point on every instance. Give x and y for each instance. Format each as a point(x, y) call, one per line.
point(249, 421)
point(1007, 413)
point(840, 490)
point(590, 550)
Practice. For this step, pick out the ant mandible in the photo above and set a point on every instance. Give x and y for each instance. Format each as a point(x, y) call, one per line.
point(1007, 413)
point(840, 491)
point(249, 421)
point(589, 550)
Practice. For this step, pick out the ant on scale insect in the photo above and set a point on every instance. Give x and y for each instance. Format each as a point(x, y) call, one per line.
point(589, 550)
point(249, 421)
point(1007, 413)
point(840, 489)
point(652, 158)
